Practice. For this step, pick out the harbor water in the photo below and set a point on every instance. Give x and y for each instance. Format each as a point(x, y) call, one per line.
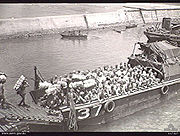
point(55, 56)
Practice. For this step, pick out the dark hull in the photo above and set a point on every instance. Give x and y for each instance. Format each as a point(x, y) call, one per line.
point(124, 105)
point(153, 36)
point(131, 104)
point(131, 26)
point(74, 36)
point(118, 31)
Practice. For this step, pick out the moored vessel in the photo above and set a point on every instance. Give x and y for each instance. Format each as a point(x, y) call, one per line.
point(131, 26)
point(167, 32)
point(117, 30)
point(74, 35)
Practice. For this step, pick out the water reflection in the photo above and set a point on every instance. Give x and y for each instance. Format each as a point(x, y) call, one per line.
point(75, 41)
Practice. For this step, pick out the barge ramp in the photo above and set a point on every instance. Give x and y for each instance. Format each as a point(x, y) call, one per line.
point(22, 119)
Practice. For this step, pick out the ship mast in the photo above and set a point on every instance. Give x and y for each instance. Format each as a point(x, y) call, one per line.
point(36, 79)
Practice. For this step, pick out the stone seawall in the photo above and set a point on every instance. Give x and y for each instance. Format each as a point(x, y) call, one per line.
point(27, 27)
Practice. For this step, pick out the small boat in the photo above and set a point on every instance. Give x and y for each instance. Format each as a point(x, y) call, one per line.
point(156, 36)
point(74, 35)
point(131, 26)
point(160, 36)
point(167, 32)
point(117, 30)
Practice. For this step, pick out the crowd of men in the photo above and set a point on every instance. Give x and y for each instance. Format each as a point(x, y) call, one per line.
point(110, 81)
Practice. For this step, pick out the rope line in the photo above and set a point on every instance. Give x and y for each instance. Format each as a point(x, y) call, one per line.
point(41, 75)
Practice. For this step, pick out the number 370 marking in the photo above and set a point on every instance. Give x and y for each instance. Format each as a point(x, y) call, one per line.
point(85, 113)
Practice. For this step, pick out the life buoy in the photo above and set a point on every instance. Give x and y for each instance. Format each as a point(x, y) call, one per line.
point(109, 106)
point(165, 89)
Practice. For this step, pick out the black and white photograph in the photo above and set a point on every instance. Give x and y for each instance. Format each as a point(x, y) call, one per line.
point(89, 67)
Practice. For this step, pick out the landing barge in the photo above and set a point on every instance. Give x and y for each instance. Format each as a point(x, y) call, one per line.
point(162, 57)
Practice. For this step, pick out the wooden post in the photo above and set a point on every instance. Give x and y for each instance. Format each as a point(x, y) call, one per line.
point(85, 19)
point(35, 77)
point(156, 15)
point(140, 11)
point(134, 49)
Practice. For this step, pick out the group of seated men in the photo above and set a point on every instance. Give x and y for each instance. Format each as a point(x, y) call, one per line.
point(111, 81)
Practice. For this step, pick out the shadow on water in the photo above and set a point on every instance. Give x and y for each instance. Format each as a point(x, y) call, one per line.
point(75, 41)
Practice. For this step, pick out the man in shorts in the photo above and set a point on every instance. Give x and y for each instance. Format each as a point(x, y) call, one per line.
point(22, 93)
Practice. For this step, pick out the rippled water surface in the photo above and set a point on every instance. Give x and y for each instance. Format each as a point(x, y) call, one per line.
point(53, 55)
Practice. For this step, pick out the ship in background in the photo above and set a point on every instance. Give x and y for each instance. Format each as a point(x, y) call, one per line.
point(74, 34)
point(169, 30)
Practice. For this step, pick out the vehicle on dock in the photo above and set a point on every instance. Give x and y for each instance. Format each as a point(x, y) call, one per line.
point(161, 57)
point(74, 35)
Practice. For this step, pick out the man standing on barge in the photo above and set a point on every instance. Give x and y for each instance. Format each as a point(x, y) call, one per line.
point(2, 81)
point(22, 92)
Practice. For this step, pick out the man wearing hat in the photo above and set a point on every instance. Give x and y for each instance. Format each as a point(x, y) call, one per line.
point(54, 80)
